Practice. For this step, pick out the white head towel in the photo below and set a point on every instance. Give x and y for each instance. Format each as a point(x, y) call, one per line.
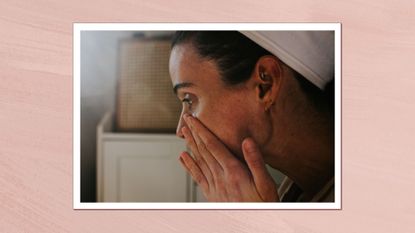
point(310, 53)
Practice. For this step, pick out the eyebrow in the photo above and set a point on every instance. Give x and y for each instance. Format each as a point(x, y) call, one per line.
point(181, 85)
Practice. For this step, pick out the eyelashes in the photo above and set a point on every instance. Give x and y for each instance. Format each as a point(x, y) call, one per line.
point(188, 101)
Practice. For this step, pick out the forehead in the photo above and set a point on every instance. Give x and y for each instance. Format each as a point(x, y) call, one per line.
point(187, 66)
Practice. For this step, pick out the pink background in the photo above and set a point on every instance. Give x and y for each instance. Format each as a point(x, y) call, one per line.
point(36, 116)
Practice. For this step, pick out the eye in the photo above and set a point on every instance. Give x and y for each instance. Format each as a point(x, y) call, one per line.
point(188, 101)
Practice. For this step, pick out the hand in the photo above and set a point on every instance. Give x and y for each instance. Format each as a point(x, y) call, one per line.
point(221, 176)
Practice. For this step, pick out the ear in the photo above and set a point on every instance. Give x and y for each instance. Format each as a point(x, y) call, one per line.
point(267, 78)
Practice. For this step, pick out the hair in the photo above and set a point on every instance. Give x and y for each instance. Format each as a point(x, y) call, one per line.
point(236, 56)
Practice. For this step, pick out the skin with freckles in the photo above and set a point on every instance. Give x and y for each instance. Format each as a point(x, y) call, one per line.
point(267, 112)
point(222, 110)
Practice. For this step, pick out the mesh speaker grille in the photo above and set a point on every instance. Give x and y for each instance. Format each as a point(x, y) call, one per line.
point(146, 102)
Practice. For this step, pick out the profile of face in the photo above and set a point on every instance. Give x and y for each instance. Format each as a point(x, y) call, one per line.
point(286, 116)
point(232, 113)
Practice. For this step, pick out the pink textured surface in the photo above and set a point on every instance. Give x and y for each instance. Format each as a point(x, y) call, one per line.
point(36, 116)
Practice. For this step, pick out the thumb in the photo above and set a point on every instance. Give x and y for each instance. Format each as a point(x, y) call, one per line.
point(262, 179)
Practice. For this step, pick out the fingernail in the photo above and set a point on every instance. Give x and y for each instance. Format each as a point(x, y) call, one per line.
point(185, 131)
point(181, 157)
point(188, 120)
point(249, 144)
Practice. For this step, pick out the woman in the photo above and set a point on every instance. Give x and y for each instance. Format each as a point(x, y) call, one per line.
point(244, 108)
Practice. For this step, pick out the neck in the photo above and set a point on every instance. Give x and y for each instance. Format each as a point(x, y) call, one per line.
point(307, 155)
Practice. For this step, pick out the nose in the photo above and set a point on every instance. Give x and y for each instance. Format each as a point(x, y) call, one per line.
point(179, 127)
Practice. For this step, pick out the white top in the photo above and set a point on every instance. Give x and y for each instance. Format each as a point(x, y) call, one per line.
point(310, 53)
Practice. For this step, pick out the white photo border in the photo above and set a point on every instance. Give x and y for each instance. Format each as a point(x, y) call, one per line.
point(78, 27)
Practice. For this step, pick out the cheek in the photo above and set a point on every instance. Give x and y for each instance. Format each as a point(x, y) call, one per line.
point(228, 122)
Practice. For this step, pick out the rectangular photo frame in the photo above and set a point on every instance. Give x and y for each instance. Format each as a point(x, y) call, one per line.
point(80, 27)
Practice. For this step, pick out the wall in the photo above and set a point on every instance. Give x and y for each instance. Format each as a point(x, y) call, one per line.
point(99, 61)
point(98, 93)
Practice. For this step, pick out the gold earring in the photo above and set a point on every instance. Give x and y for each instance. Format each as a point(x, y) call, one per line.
point(268, 106)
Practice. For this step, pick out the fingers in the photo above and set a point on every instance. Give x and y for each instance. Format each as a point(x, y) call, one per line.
point(205, 152)
point(199, 159)
point(193, 169)
point(208, 141)
point(253, 157)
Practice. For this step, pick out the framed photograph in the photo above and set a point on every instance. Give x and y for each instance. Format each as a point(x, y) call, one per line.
point(207, 116)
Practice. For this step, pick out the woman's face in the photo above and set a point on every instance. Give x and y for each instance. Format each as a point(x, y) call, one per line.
point(226, 111)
